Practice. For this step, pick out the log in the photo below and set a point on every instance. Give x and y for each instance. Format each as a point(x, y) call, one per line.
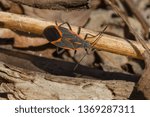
point(17, 83)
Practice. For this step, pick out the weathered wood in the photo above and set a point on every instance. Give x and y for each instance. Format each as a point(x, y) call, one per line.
point(143, 85)
point(22, 76)
point(24, 84)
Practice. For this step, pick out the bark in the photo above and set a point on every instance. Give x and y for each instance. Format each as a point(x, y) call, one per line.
point(17, 83)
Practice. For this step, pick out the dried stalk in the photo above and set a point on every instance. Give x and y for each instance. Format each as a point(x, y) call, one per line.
point(138, 15)
point(106, 42)
point(125, 19)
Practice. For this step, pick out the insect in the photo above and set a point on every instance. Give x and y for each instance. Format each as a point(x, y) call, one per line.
point(67, 39)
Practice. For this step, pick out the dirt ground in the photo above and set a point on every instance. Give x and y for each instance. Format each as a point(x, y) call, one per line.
point(31, 68)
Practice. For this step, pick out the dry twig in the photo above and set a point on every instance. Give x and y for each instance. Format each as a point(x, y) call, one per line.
point(138, 16)
point(106, 42)
point(125, 19)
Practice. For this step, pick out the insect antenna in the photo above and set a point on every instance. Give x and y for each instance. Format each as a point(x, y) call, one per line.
point(92, 45)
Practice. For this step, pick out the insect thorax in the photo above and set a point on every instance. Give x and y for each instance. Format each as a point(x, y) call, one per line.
point(52, 33)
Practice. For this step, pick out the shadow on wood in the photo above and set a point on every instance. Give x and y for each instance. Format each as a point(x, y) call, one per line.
point(58, 67)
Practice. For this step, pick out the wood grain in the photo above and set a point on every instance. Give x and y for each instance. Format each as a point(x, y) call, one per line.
point(24, 84)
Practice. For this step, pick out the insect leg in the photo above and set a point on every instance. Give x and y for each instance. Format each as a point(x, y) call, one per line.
point(86, 50)
point(90, 35)
point(59, 51)
point(79, 62)
point(76, 66)
point(56, 23)
point(67, 25)
point(99, 35)
point(79, 30)
point(75, 52)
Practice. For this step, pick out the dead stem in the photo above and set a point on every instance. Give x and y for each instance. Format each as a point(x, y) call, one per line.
point(106, 42)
